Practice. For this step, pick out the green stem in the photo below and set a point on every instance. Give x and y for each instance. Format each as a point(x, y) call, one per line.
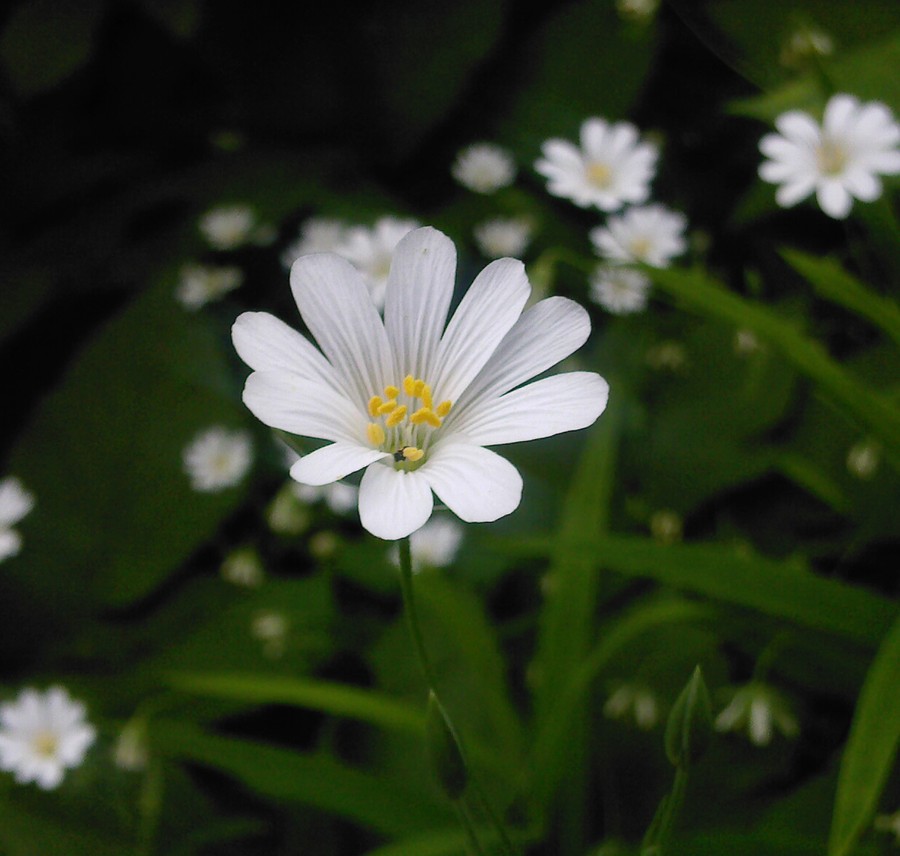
point(474, 845)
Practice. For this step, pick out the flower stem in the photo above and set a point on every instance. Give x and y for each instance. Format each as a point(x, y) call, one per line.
point(412, 616)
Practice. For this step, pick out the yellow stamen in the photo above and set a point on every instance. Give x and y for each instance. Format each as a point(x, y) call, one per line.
point(443, 408)
point(374, 404)
point(426, 396)
point(391, 392)
point(396, 417)
point(411, 453)
point(409, 385)
point(418, 386)
point(387, 407)
point(599, 174)
point(375, 433)
point(425, 414)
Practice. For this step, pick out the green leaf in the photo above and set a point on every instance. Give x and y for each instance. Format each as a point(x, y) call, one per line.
point(325, 696)
point(871, 747)
point(450, 842)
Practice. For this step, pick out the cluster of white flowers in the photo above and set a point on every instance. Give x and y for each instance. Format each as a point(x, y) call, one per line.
point(759, 709)
point(202, 284)
point(15, 503)
point(217, 459)
point(484, 168)
point(635, 699)
point(43, 734)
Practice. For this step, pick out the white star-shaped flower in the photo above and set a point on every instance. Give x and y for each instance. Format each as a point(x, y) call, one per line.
point(15, 503)
point(619, 290)
point(41, 734)
point(217, 459)
point(411, 401)
point(484, 168)
point(370, 250)
point(202, 284)
point(651, 234)
point(634, 699)
point(838, 161)
point(612, 167)
point(759, 709)
point(317, 235)
point(503, 237)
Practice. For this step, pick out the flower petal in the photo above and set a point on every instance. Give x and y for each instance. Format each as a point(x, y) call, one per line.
point(487, 312)
point(799, 127)
point(565, 402)
point(331, 463)
point(840, 115)
point(476, 484)
point(834, 199)
point(336, 306)
point(303, 407)
point(393, 503)
point(419, 290)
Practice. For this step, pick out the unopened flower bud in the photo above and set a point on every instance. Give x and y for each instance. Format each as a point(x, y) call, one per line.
point(690, 722)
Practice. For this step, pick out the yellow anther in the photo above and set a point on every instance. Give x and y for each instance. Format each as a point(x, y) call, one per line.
point(425, 414)
point(375, 433)
point(418, 386)
point(396, 417)
point(599, 174)
point(387, 407)
point(443, 408)
point(374, 404)
point(409, 385)
point(411, 453)
point(426, 396)
point(391, 392)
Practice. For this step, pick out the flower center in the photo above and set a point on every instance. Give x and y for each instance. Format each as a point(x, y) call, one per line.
point(640, 247)
point(832, 158)
point(403, 421)
point(599, 174)
point(45, 744)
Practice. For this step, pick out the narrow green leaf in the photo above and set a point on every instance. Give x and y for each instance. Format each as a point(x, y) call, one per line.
point(325, 696)
point(871, 748)
point(449, 842)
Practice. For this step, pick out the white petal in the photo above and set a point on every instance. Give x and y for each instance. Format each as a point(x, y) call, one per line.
point(840, 114)
point(862, 184)
point(476, 484)
point(336, 306)
point(791, 193)
point(265, 343)
point(302, 407)
point(565, 402)
point(331, 463)
point(419, 290)
point(10, 543)
point(594, 138)
point(798, 127)
point(558, 153)
point(393, 503)
point(834, 199)
point(485, 315)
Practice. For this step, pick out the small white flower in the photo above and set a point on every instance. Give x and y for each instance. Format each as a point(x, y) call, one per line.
point(435, 545)
point(746, 342)
point(803, 45)
point(15, 503)
point(217, 459)
point(759, 709)
point(503, 237)
point(340, 497)
point(650, 234)
point(286, 514)
point(889, 823)
point(610, 168)
point(130, 751)
point(838, 161)
point(666, 526)
point(271, 628)
point(619, 290)
point(668, 355)
point(228, 226)
point(637, 10)
point(243, 567)
point(202, 284)
point(317, 235)
point(484, 168)
point(370, 251)
point(863, 459)
point(41, 734)
point(414, 404)
point(634, 699)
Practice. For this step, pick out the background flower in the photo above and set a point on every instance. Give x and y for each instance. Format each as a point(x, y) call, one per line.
point(217, 459)
point(484, 168)
point(650, 234)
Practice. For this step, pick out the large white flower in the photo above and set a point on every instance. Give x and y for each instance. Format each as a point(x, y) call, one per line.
point(15, 503)
point(217, 459)
point(41, 734)
point(610, 168)
point(413, 403)
point(838, 161)
point(651, 234)
point(484, 168)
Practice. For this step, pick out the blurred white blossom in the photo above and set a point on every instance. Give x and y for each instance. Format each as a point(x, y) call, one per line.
point(130, 751)
point(803, 45)
point(666, 526)
point(651, 234)
point(15, 503)
point(758, 709)
point(217, 459)
point(863, 459)
point(227, 227)
point(889, 823)
point(243, 567)
point(633, 700)
point(202, 284)
point(317, 235)
point(271, 628)
point(484, 168)
point(503, 237)
point(435, 545)
point(619, 290)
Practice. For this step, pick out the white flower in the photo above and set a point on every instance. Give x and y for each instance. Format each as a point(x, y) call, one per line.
point(271, 628)
point(889, 823)
point(611, 168)
point(317, 235)
point(863, 459)
point(759, 709)
point(666, 526)
point(619, 290)
point(838, 161)
point(228, 226)
point(217, 459)
point(803, 45)
point(434, 545)
point(650, 234)
point(503, 237)
point(634, 699)
point(41, 734)
point(130, 752)
point(411, 402)
point(371, 251)
point(201, 284)
point(637, 10)
point(484, 168)
point(243, 567)
point(15, 503)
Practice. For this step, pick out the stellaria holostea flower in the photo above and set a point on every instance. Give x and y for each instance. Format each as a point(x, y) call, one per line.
point(888, 823)
point(317, 235)
point(759, 709)
point(217, 459)
point(202, 284)
point(838, 161)
point(620, 290)
point(370, 251)
point(611, 167)
point(271, 628)
point(484, 167)
point(413, 403)
point(503, 237)
point(15, 503)
point(634, 699)
point(41, 734)
point(227, 227)
point(863, 459)
point(435, 545)
point(651, 234)
point(243, 567)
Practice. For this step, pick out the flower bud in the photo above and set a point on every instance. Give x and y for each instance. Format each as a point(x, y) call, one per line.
point(690, 722)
